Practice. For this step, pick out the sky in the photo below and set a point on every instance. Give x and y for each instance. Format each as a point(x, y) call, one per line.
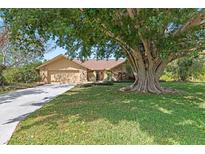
point(53, 53)
point(1, 21)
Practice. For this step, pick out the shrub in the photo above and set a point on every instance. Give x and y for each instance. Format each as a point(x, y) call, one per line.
point(167, 76)
point(188, 68)
point(29, 74)
point(109, 76)
point(11, 75)
point(184, 68)
point(24, 74)
point(124, 81)
point(2, 79)
point(106, 82)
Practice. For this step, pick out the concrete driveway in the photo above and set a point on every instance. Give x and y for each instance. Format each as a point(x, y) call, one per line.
point(15, 106)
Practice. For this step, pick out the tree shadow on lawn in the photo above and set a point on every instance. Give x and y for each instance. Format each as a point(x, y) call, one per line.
point(169, 119)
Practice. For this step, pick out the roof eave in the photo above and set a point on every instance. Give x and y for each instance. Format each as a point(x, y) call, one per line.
point(56, 58)
point(50, 61)
point(117, 65)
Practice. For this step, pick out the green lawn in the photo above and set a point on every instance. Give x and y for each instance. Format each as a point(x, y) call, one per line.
point(102, 115)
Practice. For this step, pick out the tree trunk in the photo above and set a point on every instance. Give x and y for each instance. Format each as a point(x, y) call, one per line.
point(147, 73)
point(146, 82)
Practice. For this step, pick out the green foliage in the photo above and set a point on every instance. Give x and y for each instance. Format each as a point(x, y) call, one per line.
point(188, 68)
point(85, 32)
point(107, 83)
point(167, 76)
point(1, 58)
point(2, 79)
point(15, 53)
point(197, 70)
point(128, 68)
point(15, 86)
point(109, 76)
point(11, 75)
point(183, 69)
point(106, 33)
point(24, 74)
point(104, 83)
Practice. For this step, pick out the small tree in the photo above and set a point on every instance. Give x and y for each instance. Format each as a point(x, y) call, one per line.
point(184, 66)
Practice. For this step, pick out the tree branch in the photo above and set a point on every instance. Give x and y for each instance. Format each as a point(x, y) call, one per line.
point(147, 47)
point(126, 48)
point(196, 20)
point(183, 53)
point(116, 38)
point(131, 13)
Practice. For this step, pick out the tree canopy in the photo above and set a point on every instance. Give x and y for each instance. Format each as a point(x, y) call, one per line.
point(12, 53)
point(148, 38)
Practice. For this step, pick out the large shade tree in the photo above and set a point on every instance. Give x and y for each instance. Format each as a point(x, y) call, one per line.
point(148, 38)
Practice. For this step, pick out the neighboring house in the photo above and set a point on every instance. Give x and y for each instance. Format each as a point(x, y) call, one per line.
point(62, 70)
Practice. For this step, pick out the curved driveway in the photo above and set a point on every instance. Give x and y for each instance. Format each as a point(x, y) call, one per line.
point(15, 106)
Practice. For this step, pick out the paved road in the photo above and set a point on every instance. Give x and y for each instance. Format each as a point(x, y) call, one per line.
point(15, 106)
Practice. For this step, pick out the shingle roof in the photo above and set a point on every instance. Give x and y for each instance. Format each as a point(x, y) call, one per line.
point(93, 64)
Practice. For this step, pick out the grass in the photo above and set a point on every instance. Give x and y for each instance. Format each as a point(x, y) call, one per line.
point(102, 115)
point(16, 86)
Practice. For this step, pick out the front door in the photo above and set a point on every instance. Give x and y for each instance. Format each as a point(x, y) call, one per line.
point(97, 75)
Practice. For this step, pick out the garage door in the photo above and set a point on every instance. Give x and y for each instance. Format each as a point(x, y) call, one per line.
point(64, 76)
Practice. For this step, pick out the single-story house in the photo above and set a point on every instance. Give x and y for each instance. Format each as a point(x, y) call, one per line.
point(62, 70)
